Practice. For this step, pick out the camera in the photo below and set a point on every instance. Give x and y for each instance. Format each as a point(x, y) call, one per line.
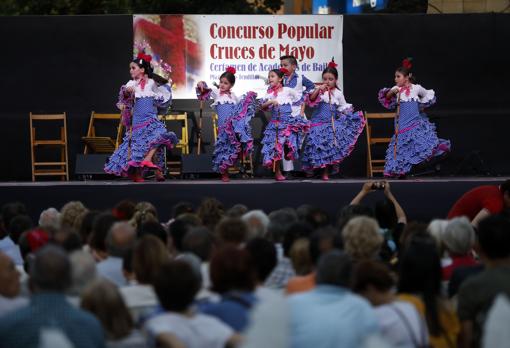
point(378, 185)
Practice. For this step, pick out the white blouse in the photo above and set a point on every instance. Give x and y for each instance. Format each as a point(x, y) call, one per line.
point(151, 90)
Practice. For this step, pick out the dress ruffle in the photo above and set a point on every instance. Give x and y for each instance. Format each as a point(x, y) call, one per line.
point(415, 145)
point(321, 149)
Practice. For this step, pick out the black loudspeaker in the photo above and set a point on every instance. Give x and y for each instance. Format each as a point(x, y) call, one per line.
point(91, 164)
point(197, 164)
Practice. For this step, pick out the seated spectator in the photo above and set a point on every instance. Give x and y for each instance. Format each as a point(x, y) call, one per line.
point(482, 201)
point(478, 292)
point(279, 223)
point(83, 273)
point(231, 231)
point(124, 210)
point(103, 300)
point(233, 277)
point(7, 246)
point(119, 240)
point(400, 323)
point(176, 286)
point(361, 238)
point(50, 277)
point(257, 222)
point(148, 256)
point(200, 242)
point(100, 227)
point(321, 242)
point(10, 286)
point(420, 284)
point(49, 219)
point(458, 239)
point(210, 212)
point(153, 228)
point(330, 315)
point(263, 254)
point(72, 214)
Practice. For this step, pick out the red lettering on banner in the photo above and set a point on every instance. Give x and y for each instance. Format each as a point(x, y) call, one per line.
point(300, 32)
point(300, 52)
point(229, 52)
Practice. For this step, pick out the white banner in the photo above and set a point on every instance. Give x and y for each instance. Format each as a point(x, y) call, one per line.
point(201, 47)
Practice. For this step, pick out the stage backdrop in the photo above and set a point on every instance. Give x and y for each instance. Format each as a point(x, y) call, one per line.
point(200, 48)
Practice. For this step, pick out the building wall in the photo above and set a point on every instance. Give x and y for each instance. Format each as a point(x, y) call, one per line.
point(468, 6)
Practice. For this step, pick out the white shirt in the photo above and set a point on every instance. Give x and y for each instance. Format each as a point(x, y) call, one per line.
point(140, 299)
point(111, 269)
point(8, 247)
point(393, 326)
point(198, 331)
point(8, 305)
point(151, 89)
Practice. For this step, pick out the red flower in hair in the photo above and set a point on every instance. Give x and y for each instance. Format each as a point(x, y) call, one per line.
point(332, 64)
point(144, 56)
point(231, 70)
point(406, 63)
point(285, 71)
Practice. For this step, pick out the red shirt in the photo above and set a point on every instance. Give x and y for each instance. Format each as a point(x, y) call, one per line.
point(470, 204)
point(458, 261)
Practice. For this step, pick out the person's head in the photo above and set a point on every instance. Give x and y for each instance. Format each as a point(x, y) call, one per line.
point(210, 212)
point(263, 254)
point(299, 255)
point(178, 230)
point(176, 286)
point(385, 214)
point(87, 226)
point(330, 75)
point(403, 74)
point(232, 269)
point(100, 227)
point(231, 231)
point(148, 257)
point(237, 210)
point(124, 210)
point(279, 222)
point(153, 228)
point(144, 212)
point(49, 219)
point(120, 238)
point(417, 229)
point(257, 222)
point(50, 270)
point(361, 238)
point(289, 63)
point(31, 241)
point(227, 79)
point(18, 225)
point(420, 274)
point(334, 268)
point(352, 210)
point(9, 211)
point(68, 239)
point(9, 277)
point(71, 214)
point(275, 77)
point(104, 300)
point(505, 190)
point(83, 271)
point(139, 68)
point(493, 237)
point(182, 208)
point(436, 229)
point(322, 241)
point(295, 231)
point(458, 236)
point(373, 280)
point(199, 241)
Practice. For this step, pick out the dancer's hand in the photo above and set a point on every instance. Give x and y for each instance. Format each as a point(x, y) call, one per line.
point(323, 87)
point(130, 89)
point(274, 102)
point(201, 85)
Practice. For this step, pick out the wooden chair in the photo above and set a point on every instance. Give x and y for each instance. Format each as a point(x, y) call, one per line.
point(49, 168)
point(375, 165)
point(246, 163)
point(174, 166)
point(102, 144)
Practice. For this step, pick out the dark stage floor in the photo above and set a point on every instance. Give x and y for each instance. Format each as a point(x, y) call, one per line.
point(422, 199)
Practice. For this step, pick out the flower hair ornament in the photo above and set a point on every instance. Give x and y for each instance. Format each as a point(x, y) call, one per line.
point(231, 70)
point(141, 47)
point(332, 64)
point(407, 63)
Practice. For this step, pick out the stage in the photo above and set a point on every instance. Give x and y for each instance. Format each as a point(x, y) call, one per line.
point(422, 199)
